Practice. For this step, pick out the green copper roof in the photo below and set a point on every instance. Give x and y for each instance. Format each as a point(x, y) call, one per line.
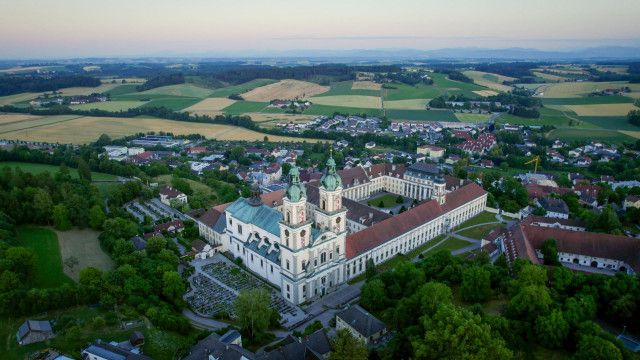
point(261, 216)
point(331, 180)
point(296, 190)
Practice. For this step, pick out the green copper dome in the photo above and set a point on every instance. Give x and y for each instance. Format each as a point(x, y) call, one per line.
point(331, 180)
point(296, 190)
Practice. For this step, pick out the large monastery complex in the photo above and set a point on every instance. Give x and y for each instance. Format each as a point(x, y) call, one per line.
point(313, 237)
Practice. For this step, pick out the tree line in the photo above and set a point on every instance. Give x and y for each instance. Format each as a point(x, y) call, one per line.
point(35, 83)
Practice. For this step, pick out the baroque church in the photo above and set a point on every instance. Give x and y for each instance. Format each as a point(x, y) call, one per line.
point(311, 238)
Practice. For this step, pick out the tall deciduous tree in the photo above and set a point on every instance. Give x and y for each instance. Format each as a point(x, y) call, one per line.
point(172, 286)
point(61, 217)
point(552, 330)
point(346, 346)
point(96, 217)
point(253, 311)
point(597, 348)
point(83, 170)
point(476, 284)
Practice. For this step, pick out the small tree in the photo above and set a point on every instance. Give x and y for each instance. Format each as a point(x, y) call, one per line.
point(253, 311)
point(370, 269)
point(381, 204)
point(399, 199)
point(550, 252)
point(61, 217)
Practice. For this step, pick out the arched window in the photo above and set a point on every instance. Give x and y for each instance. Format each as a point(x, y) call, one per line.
point(324, 205)
point(323, 258)
point(288, 217)
point(594, 264)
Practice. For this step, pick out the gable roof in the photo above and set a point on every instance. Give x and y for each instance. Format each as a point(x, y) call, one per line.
point(33, 326)
point(361, 321)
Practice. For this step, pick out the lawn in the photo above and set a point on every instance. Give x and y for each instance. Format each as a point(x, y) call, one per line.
point(388, 201)
point(450, 244)
point(346, 88)
point(422, 115)
point(239, 89)
point(48, 263)
point(483, 217)
point(317, 109)
point(84, 246)
point(479, 232)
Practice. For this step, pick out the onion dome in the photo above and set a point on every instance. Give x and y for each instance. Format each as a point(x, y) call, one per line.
point(295, 190)
point(331, 180)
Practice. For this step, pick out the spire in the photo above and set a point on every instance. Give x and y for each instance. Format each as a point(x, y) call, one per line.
point(296, 190)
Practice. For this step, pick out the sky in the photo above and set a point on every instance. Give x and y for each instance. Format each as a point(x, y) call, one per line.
point(114, 28)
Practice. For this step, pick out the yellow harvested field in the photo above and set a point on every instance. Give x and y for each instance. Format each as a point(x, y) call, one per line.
point(21, 123)
point(575, 89)
point(87, 129)
point(87, 90)
point(357, 101)
point(209, 106)
point(635, 134)
point(285, 90)
point(490, 80)
point(485, 92)
point(617, 69)
point(266, 117)
point(365, 85)
point(549, 77)
point(11, 118)
point(602, 109)
point(411, 104)
point(16, 98)
point(635, 94)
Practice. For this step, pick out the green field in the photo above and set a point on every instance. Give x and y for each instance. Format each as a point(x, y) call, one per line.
point(483, 217)
point(173, 103)
point(239, 89)
point(422, 115)
point(329, 110)
point(53, 169)
point(388, 201)
point(240, 107)
point(122, 89)
point(445, 85)
point(183, 90)
point(449, 245)
point(110, 105)
point(548, 116)
point(576, 134)
point(406, 92)
point(480, 232)
point(588, 100)
point(48, 263)
point(344, 88)
point(610, 122)
point(472, 118)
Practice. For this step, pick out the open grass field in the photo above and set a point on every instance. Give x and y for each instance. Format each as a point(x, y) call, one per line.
point(365, 85)
point(173, 103)
point(387, 201)
point(602, 109)
point(609, 122)
point(122, 90)
point(483, 217)
point(479, 232)
point(210, 106)
point(422, 115)
point(489, 80)
point(285, 89)
point(87, 90)
point(472, 118)
point(449, 245)
point(87, 129)
point(588, 100)
point(240, 107)
point(406, 92)
point(577, 89)
point(185, 90)
point(266, 117)
point(357, 101)
point(83, 245)
point(14, 122)
point(445, 85)
point(241, 88)
point(634, 134)
point(571, 134)
point(548, 116)
point(617, 69)
point(347, 88)
point(411, 104)
point(317, 109)
point(48, 264)
point(110, 105)
point(17, 98)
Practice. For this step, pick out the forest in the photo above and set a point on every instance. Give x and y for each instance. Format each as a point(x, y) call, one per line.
point(10, 85)
point(446, 307)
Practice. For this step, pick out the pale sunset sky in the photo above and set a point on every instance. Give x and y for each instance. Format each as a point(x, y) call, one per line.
point(73, 28)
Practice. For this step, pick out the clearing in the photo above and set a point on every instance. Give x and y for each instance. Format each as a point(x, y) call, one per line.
point(410, 104)
point(365, 85)
point(358, 101)
point(87, 129)
point(285, 89)
point(48, 264)
point(210, 106)
point(84, 246)
point(602, 109)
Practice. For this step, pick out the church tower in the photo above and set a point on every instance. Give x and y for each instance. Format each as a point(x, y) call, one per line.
point(330, 214)
point(295, 234)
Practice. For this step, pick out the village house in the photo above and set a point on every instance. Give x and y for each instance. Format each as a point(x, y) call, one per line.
point(555, 208)
point(361, 324)
point(631, 201)
point(431, 151)
point(169, 194)
point(33, 331)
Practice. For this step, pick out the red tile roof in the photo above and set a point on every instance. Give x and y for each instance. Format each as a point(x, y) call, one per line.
point(379, 233)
